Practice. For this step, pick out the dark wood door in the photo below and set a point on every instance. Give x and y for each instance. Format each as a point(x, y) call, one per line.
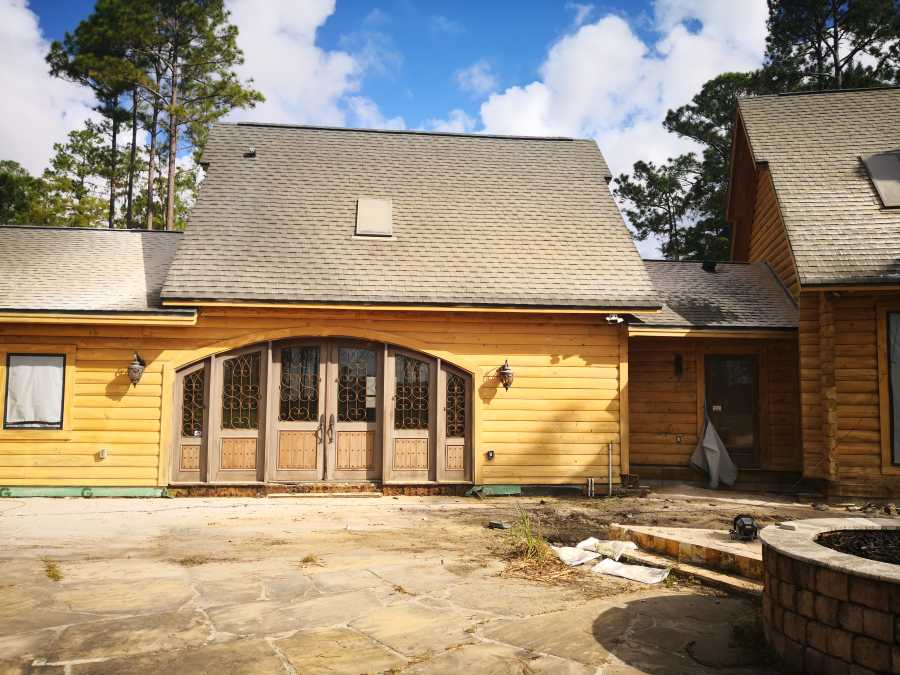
point(732, 397)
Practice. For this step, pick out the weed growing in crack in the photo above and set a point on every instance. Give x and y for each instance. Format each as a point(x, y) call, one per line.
point(51, 569)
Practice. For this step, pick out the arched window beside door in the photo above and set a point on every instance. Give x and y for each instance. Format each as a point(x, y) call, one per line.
point(322, 410)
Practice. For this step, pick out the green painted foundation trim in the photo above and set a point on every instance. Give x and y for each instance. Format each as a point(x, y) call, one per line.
point(16, 491)
point(494, 490)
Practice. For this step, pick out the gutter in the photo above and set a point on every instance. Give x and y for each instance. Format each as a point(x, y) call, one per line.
point(179, 317)
point(711, 332)
point(411, 307)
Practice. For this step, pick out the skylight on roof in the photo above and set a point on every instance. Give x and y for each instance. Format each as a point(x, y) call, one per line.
point(884, 169)
point(374, 217)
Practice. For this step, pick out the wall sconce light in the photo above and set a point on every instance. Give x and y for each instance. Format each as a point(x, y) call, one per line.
point(506, 375)
point(136, 369)
point(490, 455)
point(679, 365)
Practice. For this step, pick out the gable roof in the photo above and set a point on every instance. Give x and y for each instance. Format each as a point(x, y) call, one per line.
point(813, 143)
point(736, 295)
point(477, 221)
point(71, 269)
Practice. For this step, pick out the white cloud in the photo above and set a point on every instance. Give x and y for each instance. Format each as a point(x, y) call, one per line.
point(602, 80)
point(477, 79)
point(443, 24)
point(36, 110)
point(458, 122)
point(365, 114)
point(581, 12)
point(301, 82)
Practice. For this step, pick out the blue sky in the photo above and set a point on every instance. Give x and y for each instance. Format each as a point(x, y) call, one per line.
point(428, 42)
point(607, 70)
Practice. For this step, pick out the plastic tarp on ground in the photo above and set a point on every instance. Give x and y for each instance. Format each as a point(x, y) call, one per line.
point(642, 573)
point(712, 458)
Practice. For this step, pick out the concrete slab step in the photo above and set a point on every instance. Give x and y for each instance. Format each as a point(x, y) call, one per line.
point(729, 583)
point(713, 549)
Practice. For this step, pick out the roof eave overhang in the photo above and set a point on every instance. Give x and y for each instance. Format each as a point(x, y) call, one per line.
point(711, 331)
point(435, 307)
point(888, 285)
point(179, 317)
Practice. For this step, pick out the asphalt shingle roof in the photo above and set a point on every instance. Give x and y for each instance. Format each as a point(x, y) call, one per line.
point(838, 229)
point(80, 269)
point(477, 220)
point(736, 295)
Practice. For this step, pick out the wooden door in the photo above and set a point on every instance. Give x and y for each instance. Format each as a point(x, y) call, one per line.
point(732, 398)
point(297, 392)
point(192, 424)
point(352, 439)
point(412, 383)
point(239, 413)
point(454, 430)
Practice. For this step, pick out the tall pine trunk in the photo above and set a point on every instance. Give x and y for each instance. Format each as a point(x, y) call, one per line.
point(151, 164)
point(173, 147)
point(836, 45)
point(113, 161)
point(131, 164)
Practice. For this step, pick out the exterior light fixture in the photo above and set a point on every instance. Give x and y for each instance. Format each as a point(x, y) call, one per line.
point(506, 375)
point(136, 369)
point(614, 319)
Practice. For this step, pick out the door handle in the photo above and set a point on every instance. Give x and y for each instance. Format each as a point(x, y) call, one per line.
point(320, 430)
point(331, 428)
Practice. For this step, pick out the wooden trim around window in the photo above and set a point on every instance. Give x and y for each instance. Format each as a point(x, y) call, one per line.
point(884, 395)
point(68, 412)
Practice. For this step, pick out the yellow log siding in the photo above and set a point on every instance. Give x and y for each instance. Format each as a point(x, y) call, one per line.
point(664, 406)
point(768, 237)
point(553, 426)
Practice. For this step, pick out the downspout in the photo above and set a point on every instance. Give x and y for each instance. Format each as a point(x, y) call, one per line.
point(609, 467)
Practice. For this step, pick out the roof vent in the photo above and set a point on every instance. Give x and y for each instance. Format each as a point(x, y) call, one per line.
point(884, 169)
point(251, 152)
point(374, 217)
point(709, 266)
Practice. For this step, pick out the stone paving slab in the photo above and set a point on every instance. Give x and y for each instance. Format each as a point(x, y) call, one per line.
point(220, 586)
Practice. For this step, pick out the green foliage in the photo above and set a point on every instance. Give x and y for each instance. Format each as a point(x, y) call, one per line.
point(657, 201)
point(832, 44)
point(172, 62)
point(689, 208)
point(74, 192)
point(20, 195)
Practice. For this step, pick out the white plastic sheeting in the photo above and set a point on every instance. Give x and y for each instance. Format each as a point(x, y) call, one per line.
point(712, 458)
point(642, 573)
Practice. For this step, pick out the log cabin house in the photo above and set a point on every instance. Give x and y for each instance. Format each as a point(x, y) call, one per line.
point(432, 311)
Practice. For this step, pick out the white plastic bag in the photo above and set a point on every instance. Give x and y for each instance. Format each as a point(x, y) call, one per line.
point(573, 556)
point(607, 548)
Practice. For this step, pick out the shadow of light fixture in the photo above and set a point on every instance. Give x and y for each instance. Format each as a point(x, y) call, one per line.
point(136, 369)
point(506, 375)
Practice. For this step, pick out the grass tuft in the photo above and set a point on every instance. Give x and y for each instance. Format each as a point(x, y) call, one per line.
point(52, 570)
point(310, 560)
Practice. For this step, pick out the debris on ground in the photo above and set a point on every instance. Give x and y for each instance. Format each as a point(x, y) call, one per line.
point(573, 556)
point(498, 525)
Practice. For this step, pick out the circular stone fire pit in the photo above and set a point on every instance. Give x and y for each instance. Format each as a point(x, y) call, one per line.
point(825, 610)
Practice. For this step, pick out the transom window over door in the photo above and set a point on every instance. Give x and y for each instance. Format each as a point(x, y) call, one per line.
point(322, 409)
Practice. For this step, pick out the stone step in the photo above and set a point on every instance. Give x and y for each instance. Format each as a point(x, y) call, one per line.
point(710, 548)
point(729, 583)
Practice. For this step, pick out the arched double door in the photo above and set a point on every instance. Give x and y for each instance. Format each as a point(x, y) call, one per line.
point(322, 410)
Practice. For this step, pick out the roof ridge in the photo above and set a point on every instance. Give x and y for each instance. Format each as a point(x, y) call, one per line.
point(66, 228)
point(821, 92)
point(409, 132)
point(698, 262)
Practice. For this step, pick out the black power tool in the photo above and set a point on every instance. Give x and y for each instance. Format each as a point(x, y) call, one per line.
point(744, 529)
